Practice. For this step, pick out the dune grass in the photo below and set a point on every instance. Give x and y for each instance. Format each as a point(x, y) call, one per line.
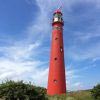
point(79, 95)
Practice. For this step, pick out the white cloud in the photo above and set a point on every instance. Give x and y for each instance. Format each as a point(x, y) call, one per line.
point(22, 71)
point(40, 28)
point(88, 36)
point(17, 64)
point(40, 77)
point(18, 52)
point(14, 65)
point(88, 52)
point(77, 86)
point(71, 74)
point(72, 77)
point(96, 58)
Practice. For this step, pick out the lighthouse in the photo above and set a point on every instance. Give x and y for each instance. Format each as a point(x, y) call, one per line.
point(56, 78)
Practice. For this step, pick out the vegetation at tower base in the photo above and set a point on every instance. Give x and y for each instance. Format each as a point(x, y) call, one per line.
point(11, 90)
point(96, 92)
point(76, 95)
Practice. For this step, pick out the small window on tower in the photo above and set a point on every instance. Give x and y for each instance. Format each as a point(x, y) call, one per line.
point(55, 58)
point(61, 49)
point(55, 81)
point(56, 38)
point(56, 19)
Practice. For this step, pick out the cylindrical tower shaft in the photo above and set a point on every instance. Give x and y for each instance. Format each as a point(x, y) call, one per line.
point(56, 79)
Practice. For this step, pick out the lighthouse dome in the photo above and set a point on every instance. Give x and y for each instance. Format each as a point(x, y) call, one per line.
point(57, 17)
point(58, 11)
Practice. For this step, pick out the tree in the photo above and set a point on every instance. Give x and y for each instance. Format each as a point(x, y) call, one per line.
point(96, 92)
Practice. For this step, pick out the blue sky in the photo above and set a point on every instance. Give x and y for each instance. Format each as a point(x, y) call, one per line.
point(25, 39)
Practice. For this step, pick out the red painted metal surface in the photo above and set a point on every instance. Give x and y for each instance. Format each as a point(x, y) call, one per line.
point(56, 79)
point(58, 11)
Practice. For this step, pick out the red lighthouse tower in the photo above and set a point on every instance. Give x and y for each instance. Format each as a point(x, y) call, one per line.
point(56, 79)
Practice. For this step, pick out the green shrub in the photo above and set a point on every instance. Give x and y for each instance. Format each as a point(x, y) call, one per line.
point(96, 92)
point(11, 90)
